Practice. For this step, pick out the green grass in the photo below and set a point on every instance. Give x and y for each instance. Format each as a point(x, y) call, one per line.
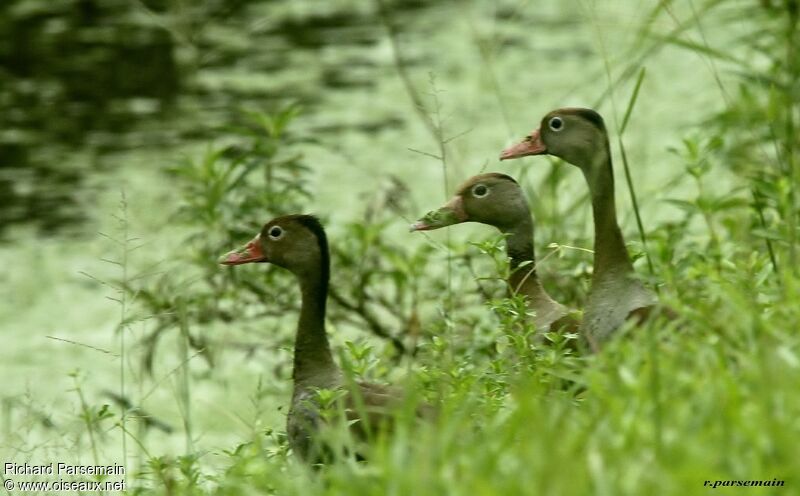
point(725, 409)
point(708, 148)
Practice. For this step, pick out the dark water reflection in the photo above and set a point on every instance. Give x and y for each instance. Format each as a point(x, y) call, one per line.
point(81, 78)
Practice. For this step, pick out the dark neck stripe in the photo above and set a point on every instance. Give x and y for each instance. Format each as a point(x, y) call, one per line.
point(315, 226)
point(499, 175)
point(591, 116)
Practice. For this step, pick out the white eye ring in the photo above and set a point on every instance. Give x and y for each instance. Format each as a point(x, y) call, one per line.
point(556, 124)
point(275, 233)
point(480, 191)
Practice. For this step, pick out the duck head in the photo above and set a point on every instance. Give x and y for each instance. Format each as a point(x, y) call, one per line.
point(294, 242)
point(576, 135)
point(492, 198)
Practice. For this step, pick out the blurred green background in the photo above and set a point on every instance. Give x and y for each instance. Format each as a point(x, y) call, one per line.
point(101, 100)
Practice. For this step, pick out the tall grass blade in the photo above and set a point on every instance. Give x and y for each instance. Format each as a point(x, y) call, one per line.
point(760, 211)
point(635, 204)
point(123, 317)
point(632, 101)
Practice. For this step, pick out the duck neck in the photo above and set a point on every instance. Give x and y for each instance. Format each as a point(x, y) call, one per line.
point(610, 254)
point(519, 248)
point(313, 362)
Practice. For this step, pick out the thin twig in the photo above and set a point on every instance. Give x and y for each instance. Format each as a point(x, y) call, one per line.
point(84, 345)
point(372, 322)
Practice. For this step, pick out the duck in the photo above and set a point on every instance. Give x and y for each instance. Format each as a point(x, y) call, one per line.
point(298, 243)
point(579, 137)
point(497, 200)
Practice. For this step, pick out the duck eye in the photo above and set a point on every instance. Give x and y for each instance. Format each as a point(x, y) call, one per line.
point(480, 190)
point(275, 232)
point(556, 124)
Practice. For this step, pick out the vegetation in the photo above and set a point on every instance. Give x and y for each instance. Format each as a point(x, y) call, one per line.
point(188, 386)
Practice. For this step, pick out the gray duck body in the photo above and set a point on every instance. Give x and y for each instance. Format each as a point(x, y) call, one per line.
point(579, 137)
point(298, 243)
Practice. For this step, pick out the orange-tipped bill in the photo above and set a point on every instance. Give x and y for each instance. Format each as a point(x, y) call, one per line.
point(531, 145)
point(451, 213)
point(249, 253)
